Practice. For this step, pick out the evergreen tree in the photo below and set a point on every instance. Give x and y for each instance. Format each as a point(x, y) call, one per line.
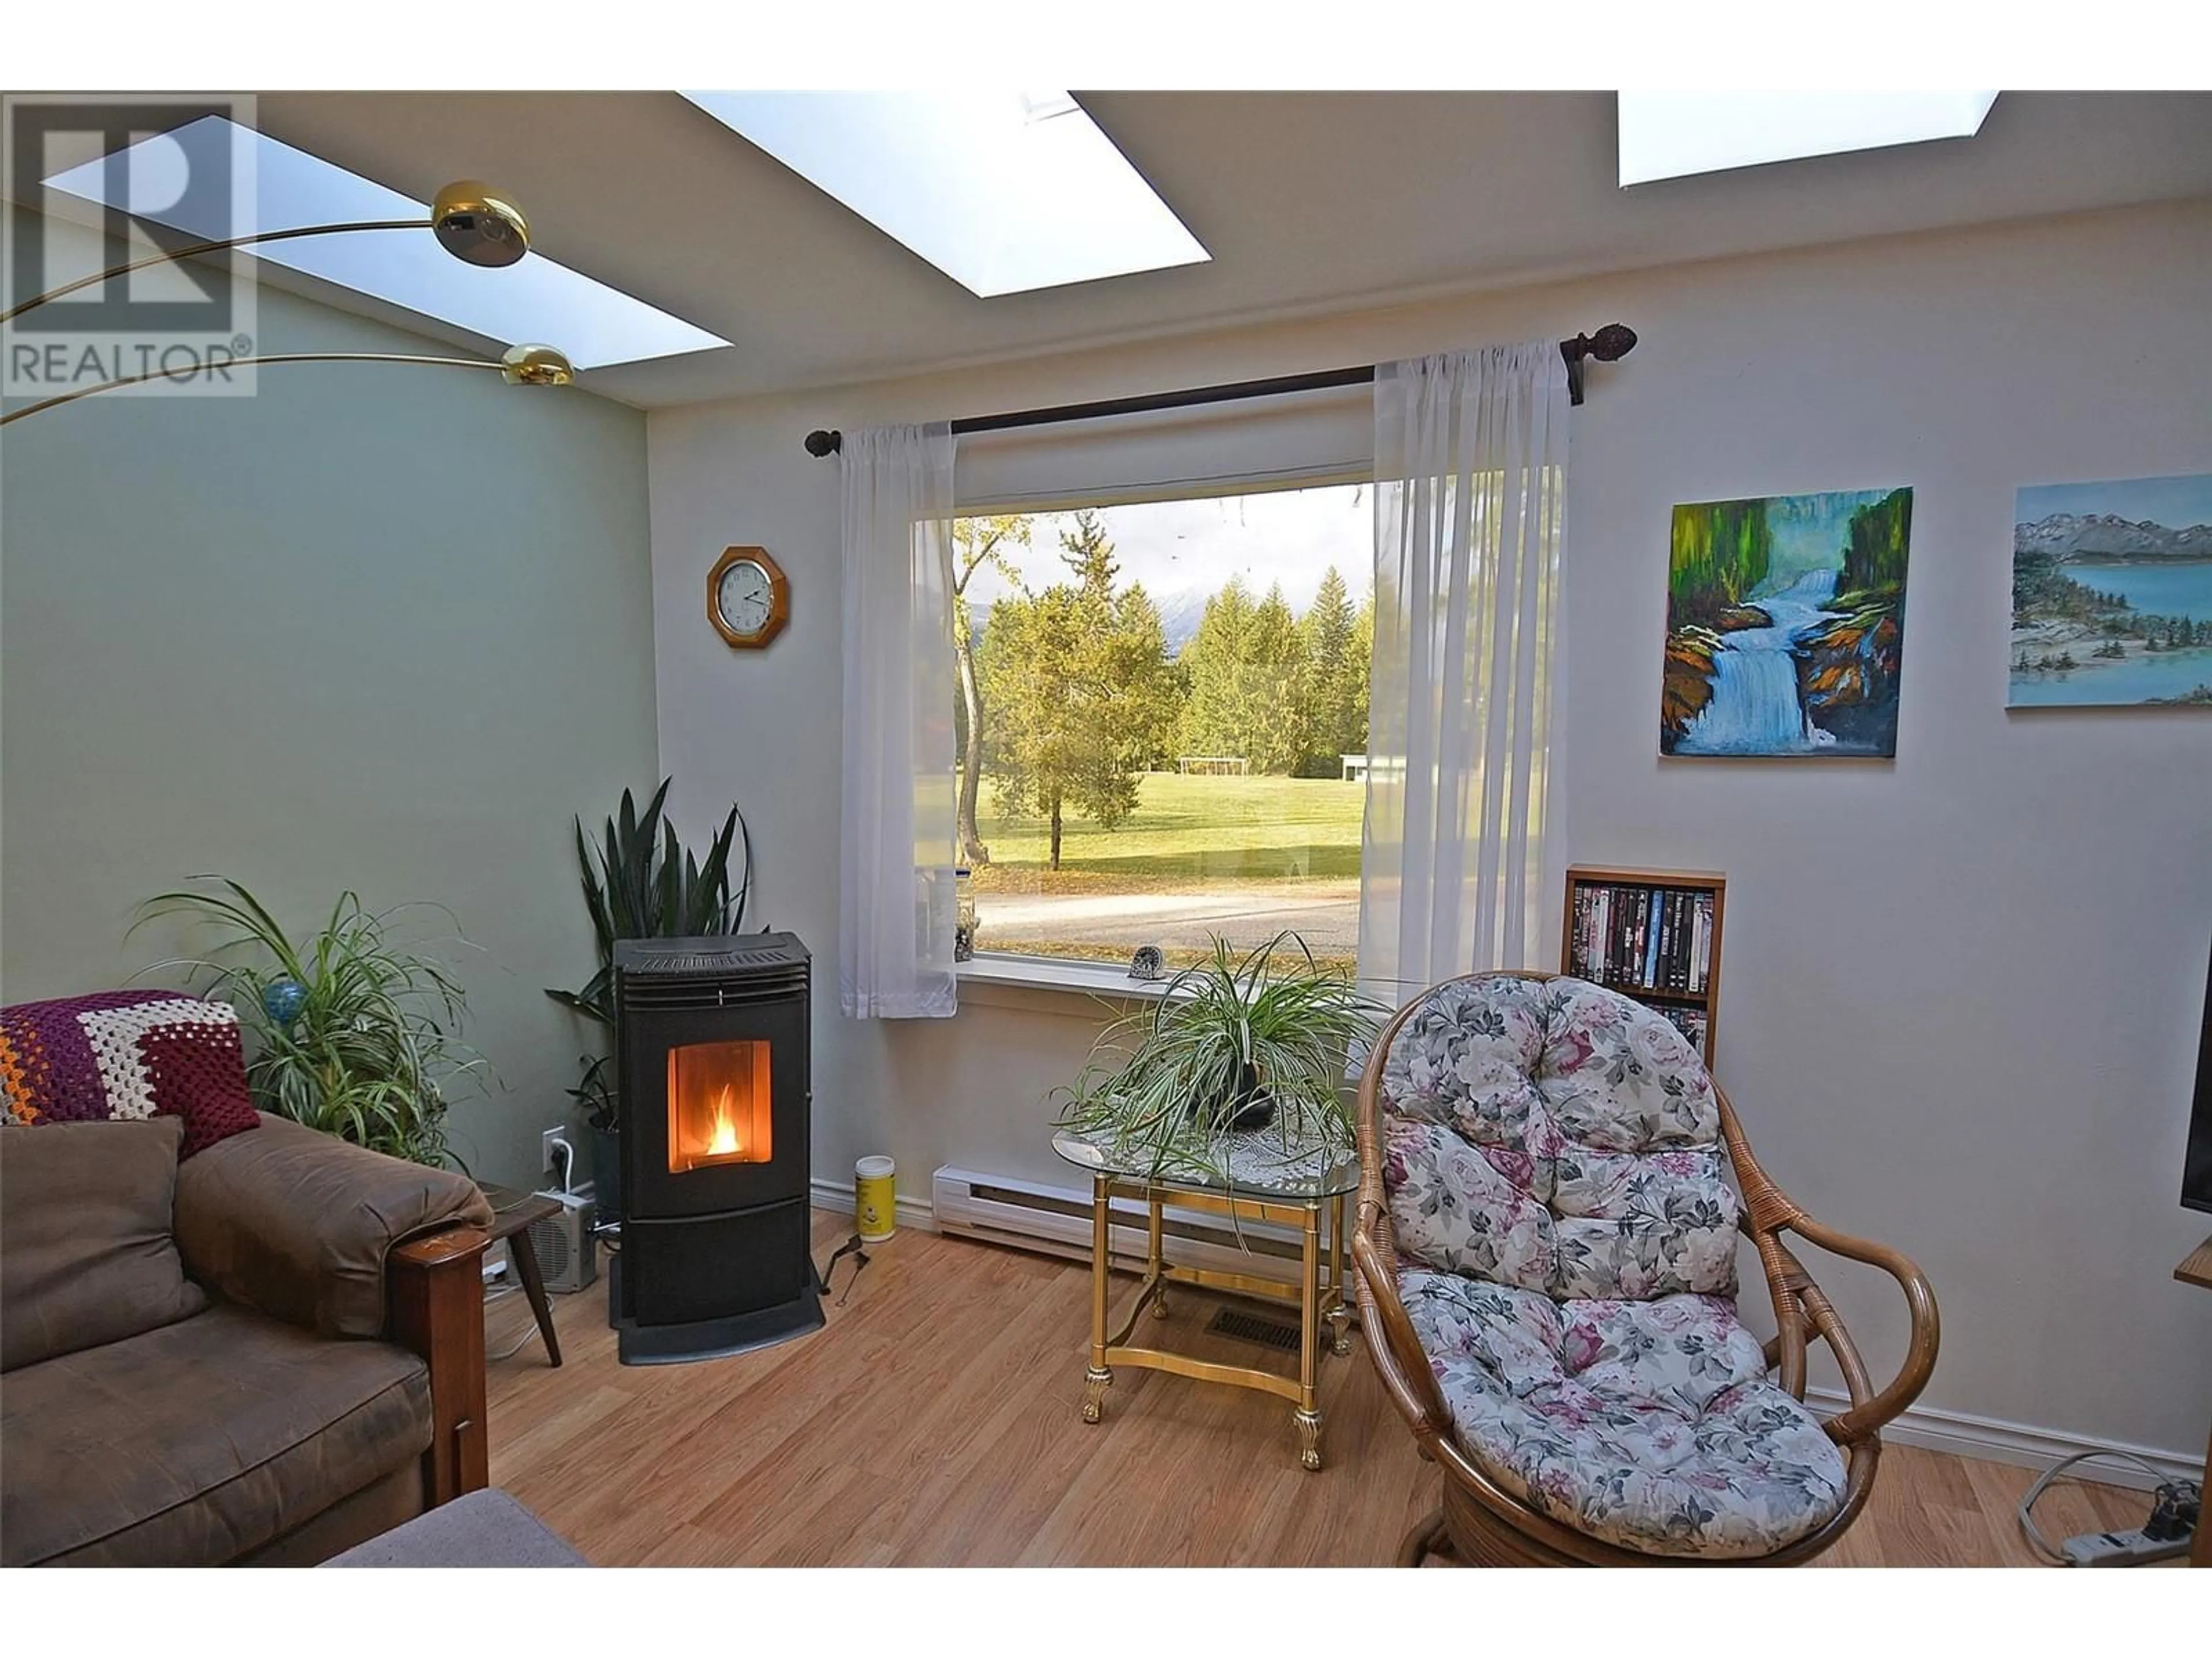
point(1081, 694)
point(1212, 710)
point(1339, 641)
point(1086, 552)
point(1363, 662)
point(1246, 668)
point(1279, 717)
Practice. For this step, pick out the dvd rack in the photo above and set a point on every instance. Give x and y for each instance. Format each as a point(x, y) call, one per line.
point(1654, 935)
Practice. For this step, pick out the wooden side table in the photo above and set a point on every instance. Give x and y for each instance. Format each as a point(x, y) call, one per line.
point(1300, 1198)
point(2196, 1268)
point(511, 1212)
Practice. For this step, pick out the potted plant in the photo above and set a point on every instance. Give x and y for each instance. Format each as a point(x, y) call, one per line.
point(639, 883)
point(1234, 1045)
point(352, 1031)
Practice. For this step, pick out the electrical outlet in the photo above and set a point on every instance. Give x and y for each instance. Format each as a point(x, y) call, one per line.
point(548, 1167)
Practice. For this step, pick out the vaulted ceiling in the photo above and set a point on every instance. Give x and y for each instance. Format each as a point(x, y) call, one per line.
point(1308, 202)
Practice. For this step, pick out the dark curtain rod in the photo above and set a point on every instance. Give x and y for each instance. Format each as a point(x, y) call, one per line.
point(1608, 345)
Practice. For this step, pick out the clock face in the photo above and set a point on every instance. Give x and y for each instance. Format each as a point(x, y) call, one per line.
point(748, 598)
point(745, 597)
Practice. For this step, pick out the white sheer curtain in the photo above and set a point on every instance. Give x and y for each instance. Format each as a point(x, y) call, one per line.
point(1470, 495)
point(896, 836)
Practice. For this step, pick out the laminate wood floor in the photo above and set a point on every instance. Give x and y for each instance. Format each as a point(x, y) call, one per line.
point(935, 1423)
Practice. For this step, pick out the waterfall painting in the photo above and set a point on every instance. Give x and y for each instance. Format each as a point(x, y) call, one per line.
point(1785, 624)
point(2111, 594)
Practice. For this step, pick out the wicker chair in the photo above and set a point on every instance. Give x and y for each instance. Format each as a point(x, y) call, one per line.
point(1516, 1510)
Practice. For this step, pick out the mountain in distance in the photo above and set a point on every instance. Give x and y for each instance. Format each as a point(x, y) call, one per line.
point(1180, 616)
point(2102, 538)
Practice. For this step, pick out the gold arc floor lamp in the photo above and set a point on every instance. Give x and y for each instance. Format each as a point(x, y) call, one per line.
point(476, 223)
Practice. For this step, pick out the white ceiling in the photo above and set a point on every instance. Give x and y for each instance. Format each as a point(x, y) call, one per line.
point(1307, 200)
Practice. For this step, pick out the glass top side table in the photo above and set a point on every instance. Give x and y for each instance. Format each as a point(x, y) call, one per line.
point(1267, 1183)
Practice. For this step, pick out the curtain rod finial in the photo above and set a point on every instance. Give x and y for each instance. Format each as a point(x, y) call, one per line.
point(1608, 345)
point(820, 443)
point(1613, 343)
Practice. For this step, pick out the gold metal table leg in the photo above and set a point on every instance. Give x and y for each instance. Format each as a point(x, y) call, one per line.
point(1152, 1259)
point(1339, 1312)
point(1307, 1417)
point(1097, 1379)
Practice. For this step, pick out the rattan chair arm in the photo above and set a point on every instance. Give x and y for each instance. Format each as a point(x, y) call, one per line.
point(1866, 1416)
point(1398, 1356)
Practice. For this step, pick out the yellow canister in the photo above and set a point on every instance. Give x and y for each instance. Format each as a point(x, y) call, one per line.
point(875, 1199)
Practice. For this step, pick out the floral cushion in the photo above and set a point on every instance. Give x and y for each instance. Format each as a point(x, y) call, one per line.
point(1648, 1424)
point(1558, 1137)
point(1566, 1228)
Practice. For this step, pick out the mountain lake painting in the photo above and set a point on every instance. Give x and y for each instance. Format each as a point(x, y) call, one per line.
point(2111, 594)
point(1785, 624)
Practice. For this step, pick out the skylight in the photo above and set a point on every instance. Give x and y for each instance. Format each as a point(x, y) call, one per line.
point(1672, 135)
point(1003, 192)
point(535, 299)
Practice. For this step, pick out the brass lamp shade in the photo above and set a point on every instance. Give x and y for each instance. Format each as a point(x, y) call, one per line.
point(479, 224)
point(537, 365)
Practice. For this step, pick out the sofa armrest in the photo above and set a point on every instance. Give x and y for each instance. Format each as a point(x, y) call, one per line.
point(437, 1309)
point(299, 1223)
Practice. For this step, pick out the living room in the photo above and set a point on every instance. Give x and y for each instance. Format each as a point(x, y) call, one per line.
point(1051, 672)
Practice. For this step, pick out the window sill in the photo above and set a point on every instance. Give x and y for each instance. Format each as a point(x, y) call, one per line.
point(1052, 984)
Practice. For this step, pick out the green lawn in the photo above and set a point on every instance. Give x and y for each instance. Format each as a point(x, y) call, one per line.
point(1186, 830)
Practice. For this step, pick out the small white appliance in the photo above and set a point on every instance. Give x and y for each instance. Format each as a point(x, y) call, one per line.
point(567, 1257)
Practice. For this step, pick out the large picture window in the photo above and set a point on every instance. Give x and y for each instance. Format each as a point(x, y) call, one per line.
point(1162, 722)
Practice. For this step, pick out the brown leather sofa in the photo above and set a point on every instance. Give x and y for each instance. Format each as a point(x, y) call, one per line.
point(266, 1354)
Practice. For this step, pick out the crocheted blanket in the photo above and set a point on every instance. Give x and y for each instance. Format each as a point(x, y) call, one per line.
point(126, 1054)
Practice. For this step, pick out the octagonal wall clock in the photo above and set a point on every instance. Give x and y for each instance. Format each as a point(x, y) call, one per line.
point(748, 598)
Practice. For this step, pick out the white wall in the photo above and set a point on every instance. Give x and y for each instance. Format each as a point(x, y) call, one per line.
point(374, 629)
point(1962, 988)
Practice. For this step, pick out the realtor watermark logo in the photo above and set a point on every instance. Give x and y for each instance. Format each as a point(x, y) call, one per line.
point(97, 184)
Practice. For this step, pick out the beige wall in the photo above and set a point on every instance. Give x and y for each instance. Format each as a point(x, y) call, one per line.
point(376, 627)
point(1962, 988)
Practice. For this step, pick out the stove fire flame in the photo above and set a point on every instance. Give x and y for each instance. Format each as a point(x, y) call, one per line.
point(719, 1105)
point(722, 1141)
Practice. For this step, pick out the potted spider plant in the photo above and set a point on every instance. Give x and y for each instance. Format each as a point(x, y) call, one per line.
point(352, 1030)
point(1235, 1045)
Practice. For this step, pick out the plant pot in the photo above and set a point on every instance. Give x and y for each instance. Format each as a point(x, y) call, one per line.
point(1256, 1113)
point(606, 1173)
point(1248, 1106)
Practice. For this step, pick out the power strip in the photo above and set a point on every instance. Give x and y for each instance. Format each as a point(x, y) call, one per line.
point(2131, 1549)
point(2173, 1521)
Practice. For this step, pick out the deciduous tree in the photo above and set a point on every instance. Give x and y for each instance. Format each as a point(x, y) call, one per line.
point(976, 542)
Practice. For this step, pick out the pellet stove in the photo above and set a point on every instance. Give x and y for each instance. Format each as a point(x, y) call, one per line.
point(715, 1097)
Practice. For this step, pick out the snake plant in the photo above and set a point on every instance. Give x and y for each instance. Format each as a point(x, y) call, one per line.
point(640, 882)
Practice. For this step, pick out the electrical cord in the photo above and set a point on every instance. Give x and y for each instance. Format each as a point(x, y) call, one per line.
point(517, 1346)
point(501, 1293)
point(2174, 1500)
point(564, 1156)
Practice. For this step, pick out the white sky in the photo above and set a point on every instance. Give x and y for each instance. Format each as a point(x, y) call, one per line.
point(1173, 548)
